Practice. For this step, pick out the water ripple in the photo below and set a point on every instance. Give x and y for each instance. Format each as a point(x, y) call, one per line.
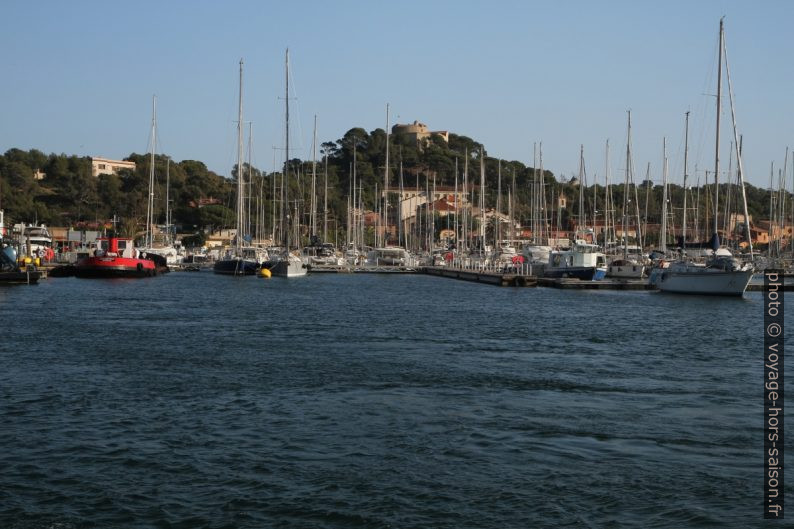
point(193, 400)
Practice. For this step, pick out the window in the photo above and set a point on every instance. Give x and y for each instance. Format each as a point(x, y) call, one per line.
point(101, 166)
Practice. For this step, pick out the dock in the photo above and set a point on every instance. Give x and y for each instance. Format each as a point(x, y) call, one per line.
point(329, 269)
point(482, 276)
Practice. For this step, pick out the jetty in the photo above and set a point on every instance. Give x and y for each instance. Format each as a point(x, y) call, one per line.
point(333, 269)
point(490, 277)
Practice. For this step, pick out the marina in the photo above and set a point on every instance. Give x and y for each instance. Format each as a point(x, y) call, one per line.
point(410, 265)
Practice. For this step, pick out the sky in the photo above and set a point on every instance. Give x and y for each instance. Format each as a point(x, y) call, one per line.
point(79, 77)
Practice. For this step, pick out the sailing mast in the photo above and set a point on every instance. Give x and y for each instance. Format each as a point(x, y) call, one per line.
point(581, 220)
point(150, 202)
point(533, 220)
point(313, 201)
point(482, 200)
point(386, 183)
point(457, 238)
point(238, 237)
point(168, 200)
point(686, 169)
point(717, 142)
point(626, 187)
point(606, 195)
point(663, 228)
point(250, 182)
point(401, 235)
point(738, 143)
point(285, 189)
point(325, 201)
point(498, 225)
point(465, 228)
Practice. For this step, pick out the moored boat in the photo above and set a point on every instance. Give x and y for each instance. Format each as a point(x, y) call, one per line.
point(583, 261)
point(116, 257)
point(722, 276)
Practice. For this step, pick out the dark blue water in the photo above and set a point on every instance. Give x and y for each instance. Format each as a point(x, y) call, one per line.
point(195, 400)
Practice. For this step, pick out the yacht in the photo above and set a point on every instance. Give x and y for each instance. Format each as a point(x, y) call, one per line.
point(583, 261)
point(387, 256)
point(723, 275)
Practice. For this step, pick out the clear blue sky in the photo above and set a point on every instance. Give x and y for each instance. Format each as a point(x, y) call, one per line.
point(78, 77)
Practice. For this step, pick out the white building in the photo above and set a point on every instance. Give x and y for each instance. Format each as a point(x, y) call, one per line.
point(106, 166)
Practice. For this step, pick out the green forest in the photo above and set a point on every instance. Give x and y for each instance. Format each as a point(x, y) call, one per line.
point(70, 196)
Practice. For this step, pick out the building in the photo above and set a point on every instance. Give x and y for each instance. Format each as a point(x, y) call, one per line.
point(106, 166)
point(411, 198)
point(419, 131)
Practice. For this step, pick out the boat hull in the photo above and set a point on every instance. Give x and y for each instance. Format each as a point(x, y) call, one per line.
point(708, 283)
point(22, 277)
point(235, 267)
point(99, 267)
point(585, 273)
point(633, 271)
point(292, 267)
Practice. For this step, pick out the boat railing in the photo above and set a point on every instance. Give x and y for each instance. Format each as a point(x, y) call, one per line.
point(521, 269)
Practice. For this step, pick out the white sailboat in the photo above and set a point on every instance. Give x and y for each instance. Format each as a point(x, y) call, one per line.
point(289, 262)
point(722, 274)
point(538, 250)
point(628, 265)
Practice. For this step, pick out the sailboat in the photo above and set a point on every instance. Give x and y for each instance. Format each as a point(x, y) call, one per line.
point(628, 265)
point(289, 262)
point(237, 261)
point(386, 254)
point(538, 250)
point(722, 274)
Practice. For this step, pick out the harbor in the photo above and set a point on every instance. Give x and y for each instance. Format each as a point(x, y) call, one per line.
point(414, 265)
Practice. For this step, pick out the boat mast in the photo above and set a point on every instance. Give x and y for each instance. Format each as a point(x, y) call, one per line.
point(150, 202)
point(354, 217)
point(386, 183)
point(717, 135)
point(663, 228)
point(581, 221)
point(533, 216)
point(465, 228)
point(606, 195)
point(545, 225)
point(249, 183)
point(738, 145)
point(498, 225)
point(285, 189)
point(482, 199)
point(512, 207)
point(325, 202)
point(167, 200)
point(686, 169)
point(626, 187)
point(313, 201)
point(238, 237)
point(401, 235)
point(457, 238)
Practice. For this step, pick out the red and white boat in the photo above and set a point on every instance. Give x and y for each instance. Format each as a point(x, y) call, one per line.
point(116, 257)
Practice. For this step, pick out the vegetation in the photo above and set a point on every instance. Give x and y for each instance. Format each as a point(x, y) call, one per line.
point(70, 196)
